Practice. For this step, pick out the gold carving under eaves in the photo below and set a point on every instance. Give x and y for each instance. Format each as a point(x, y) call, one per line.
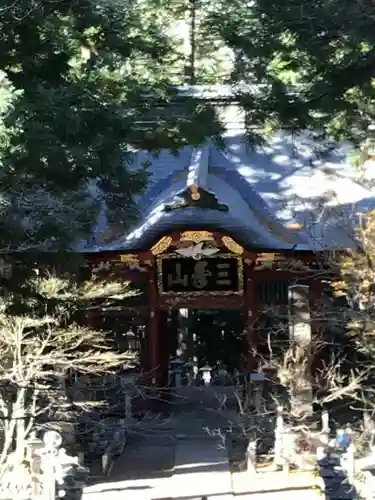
point(132, 262)
point(162, 245)
point(102, 266)
point(232, 246)
point(197, 236)
point(279, 262)
point(129, 258)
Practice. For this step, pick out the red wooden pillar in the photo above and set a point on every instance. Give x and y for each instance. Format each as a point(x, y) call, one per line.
point(251, 308)
point(153, 330)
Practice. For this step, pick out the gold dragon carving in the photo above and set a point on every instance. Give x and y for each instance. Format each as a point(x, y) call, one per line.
point(197, 236)
point(232, 246)
point(162, 245)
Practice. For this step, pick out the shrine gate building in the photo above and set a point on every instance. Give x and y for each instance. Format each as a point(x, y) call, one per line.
point(230, 231)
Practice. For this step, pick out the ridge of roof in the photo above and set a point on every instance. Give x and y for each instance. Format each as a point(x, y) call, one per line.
point(198, 168)
point(227, 91)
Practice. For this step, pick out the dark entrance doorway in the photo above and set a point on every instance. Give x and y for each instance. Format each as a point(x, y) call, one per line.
point(203, 337)
point(219, 337)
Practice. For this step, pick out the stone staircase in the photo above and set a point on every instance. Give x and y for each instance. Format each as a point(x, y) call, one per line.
point(184, 457)
point(200, 419)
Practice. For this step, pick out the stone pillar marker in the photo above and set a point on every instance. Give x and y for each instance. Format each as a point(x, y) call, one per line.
point(153, 331)
point(300, 340)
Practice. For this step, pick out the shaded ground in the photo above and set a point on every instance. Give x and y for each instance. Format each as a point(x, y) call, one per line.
point(146, 457)
point(150, 458)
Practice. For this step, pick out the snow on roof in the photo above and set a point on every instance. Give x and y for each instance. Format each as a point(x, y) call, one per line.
point(266, 189)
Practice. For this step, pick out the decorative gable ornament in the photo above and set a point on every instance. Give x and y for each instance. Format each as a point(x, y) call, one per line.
point(195, 197)
point(197, 251)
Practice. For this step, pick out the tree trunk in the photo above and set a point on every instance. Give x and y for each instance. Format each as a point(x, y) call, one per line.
point(191, 17)
point(19, 415)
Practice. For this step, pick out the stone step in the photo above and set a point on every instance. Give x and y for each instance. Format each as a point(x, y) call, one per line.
point(283, 495)
point(277, 483)
point(201, 470)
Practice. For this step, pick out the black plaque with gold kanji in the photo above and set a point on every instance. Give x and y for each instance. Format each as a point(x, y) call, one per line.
point(180, 275)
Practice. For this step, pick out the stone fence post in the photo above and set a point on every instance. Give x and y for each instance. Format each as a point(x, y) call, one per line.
point(325, 429)
point(52, 441)
point(251, 453)
point(34, 447)
point(347, 462)
point(257, 381)
point(128, 387)
point(351, 463)
point(279, 437)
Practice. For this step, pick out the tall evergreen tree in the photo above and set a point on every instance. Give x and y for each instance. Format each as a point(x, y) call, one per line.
point(309, 64)
point(76, 80)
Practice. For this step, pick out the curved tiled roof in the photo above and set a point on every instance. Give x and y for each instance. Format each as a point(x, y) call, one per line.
point(257, 205)
point(249, 224)
point(263, 188)
point(147, 233)
point(157, 189)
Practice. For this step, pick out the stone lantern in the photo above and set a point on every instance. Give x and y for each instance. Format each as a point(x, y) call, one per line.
point(132, 341)
point(206, 374)
point(177, 369)
point(189, 372)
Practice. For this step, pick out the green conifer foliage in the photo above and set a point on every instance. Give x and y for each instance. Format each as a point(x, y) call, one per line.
point(77, 79)
point(311, 64)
